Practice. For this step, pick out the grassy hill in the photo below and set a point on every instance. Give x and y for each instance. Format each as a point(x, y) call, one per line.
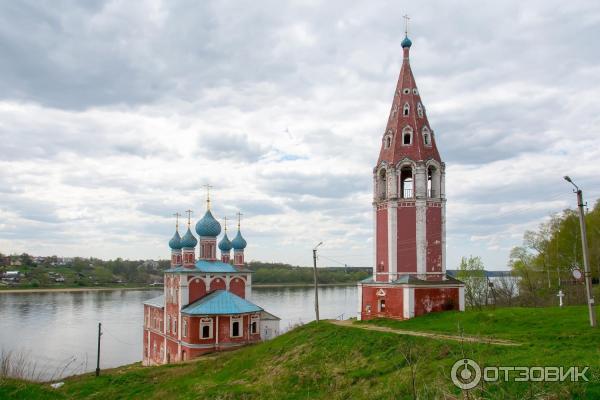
point(334, 362)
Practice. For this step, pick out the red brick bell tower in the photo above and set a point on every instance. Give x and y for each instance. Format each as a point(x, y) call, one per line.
point(409, 212)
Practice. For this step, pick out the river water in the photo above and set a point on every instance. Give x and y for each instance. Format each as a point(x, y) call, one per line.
point(57, 332)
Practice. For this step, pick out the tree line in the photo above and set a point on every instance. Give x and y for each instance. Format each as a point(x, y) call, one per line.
point(541, 267)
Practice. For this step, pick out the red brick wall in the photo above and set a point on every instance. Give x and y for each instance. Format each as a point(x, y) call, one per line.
point(224, 333)
point(157, 339)
point(217, 283)
point(382, 243)
point(172, 349)
point(435, 299)
point(155, 316)
point(407, 240)
point(394, 302)
point(197, 289)
point(194, 331)
point(434, 239)
point(192, 353)
point(172, 306)
point(237, 287)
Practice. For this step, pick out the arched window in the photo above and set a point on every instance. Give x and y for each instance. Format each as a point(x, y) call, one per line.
point(407, 136)
point(426, 136)
point(406, 183)
point(433, 182)
point(420, 110)
point(406, 109)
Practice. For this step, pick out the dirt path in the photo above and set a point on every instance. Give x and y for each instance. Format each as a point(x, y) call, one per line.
point(469, 339)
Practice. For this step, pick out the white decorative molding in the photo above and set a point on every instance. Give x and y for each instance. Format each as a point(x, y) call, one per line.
point(392, 240)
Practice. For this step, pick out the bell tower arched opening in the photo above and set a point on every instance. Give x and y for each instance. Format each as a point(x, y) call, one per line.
point(406, 183)
point(382, 184)
point(433, 182)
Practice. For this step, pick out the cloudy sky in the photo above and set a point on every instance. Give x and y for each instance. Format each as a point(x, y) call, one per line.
point(113, 114)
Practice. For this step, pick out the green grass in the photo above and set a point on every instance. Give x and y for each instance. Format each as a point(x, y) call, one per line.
point(331, 362)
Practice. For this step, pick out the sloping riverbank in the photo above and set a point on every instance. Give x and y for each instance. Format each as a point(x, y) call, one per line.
point(330, 361)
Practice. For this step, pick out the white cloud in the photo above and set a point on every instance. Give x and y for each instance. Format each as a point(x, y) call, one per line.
point(114, 114)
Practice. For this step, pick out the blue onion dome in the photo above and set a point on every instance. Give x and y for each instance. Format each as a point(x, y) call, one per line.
point(238, 242)
point(175, 242)
point(225, 243)
point(188, 240)
point(406, 42)
point(208, 226)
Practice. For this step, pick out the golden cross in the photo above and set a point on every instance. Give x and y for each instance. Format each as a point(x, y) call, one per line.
point(239, 215)
point(208, 187)
point(225, 218)
point(406, 19)
point(189, 213)
point(177, 215)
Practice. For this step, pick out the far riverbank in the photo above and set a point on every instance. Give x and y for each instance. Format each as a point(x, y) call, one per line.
point(98, 289)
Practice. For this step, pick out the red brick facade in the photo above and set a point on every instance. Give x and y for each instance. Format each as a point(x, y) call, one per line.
point(409, 201)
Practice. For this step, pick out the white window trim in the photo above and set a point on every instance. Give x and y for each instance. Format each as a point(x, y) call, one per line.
point(240, 320)
point(406, 110)
point(406, 91)
point(404, 132)
point(255, 320)
point(427, 132)
point(206, 322)
point(420, 110)
point(387, 141)
point(185, 328)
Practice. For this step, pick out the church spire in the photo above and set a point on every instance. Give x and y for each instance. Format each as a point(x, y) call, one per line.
point(407, 134)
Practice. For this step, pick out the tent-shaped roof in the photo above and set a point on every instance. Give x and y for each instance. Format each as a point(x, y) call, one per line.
point(220, 302)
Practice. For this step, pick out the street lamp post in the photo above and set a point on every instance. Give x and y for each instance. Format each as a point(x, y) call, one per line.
point(316, 281)
point(586, 256)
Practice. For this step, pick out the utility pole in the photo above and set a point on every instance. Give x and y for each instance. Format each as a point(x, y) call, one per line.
point(98, 357)
point(316, 281)
point(586, 256)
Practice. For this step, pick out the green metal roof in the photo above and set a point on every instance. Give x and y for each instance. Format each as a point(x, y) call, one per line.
point(220, 302)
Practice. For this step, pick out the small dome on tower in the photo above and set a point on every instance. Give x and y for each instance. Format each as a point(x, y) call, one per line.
point(225, 243)
point(188, 240)
point(175, 242)
point(208, 226)
point(406, 42)
point(238, 242)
